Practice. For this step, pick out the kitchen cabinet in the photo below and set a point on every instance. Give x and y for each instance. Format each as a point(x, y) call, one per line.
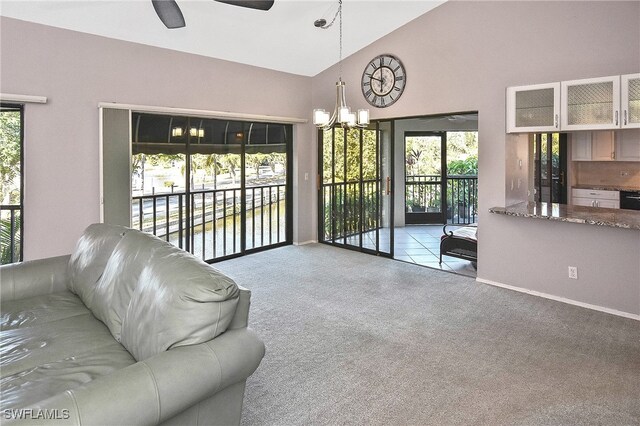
point(595, 198)
point(603, 146)
point(630, 92)
point(628, 145)
point(603, 103)
point(533, 108)
point(581, 146)
point(590, 104)
point(593, 146)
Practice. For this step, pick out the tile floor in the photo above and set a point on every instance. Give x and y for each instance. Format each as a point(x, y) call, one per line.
point(420, 244)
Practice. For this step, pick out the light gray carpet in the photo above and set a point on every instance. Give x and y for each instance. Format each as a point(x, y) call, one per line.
point(357, 339)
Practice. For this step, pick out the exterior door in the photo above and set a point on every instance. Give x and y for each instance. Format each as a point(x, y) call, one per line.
point(550, 174)
point(425, 182)
point(354, 188)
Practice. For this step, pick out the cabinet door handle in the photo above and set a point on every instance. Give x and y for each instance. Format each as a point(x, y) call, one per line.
point(556, 122)
point(625, 117)
point(616, 118)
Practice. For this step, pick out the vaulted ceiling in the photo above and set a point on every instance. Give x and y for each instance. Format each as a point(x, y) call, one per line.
point(283, 38)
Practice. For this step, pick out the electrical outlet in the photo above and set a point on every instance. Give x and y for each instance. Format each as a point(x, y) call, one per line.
point(573, 272)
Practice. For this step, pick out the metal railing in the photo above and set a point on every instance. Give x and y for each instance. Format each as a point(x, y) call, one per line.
point(211, 227)
point(10, 233)
point(423, 193)
point(350, 208)
point(462, 199)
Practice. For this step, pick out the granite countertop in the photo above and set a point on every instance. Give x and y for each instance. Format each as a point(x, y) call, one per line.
point(607, 187)
point(617, 218)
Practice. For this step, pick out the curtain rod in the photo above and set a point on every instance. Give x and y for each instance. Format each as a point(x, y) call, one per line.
point(7, 97)
point(204, 113)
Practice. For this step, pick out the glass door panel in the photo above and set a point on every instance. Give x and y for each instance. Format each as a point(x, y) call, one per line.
point(350, 193)
point(266, 185)
point(216, 197)
point(550, 167)
point(424, 183)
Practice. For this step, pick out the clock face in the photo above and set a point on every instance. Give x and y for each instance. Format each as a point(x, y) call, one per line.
point(383, 80)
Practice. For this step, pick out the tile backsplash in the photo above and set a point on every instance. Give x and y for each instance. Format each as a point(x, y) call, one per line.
point(623, 173)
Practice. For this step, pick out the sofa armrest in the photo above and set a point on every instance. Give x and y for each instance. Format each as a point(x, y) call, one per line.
point(33, 278)
point(160, 387)
point(241, 317)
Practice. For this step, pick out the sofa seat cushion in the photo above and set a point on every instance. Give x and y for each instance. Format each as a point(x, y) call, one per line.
point(43, 355)
point(40, 309)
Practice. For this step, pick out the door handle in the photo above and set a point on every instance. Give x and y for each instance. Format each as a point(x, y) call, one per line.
point(616, 118)
point(556, 122)
point(625, 117)
point(388, 188)
point(562, 178)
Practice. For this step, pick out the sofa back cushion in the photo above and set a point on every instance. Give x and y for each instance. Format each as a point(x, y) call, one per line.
point(90, 257)
point(154, 296)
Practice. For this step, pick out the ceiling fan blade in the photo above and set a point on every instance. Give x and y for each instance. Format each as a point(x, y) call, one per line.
point(251, 4)
point(169, 13)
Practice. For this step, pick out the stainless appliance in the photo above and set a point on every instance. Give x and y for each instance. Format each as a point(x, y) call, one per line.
point(630, 200)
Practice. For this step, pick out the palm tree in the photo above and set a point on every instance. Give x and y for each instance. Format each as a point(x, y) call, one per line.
point(212, 164)
point(7, 255)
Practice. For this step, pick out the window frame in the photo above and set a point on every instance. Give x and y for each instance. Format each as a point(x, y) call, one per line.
point(11, 106)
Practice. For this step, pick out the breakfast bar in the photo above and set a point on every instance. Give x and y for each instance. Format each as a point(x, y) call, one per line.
point(617, 218)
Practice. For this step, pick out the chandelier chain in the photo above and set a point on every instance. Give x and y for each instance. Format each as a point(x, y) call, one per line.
point(340, 62)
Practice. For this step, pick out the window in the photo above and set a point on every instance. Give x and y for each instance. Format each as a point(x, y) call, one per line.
point(11, 181)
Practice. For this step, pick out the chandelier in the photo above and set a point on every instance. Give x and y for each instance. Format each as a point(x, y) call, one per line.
point(342, 114)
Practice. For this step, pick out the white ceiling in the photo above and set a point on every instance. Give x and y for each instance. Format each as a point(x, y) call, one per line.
point(283, 38)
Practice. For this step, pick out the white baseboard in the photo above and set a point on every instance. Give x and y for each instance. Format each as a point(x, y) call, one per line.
point(302, 243)
point(561, 299)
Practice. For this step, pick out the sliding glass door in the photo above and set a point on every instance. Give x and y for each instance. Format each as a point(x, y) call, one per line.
point(216, 188)
point(550, 167)
point(355, 209)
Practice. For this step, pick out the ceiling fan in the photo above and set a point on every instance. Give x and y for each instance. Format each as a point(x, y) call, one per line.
point(169, 12)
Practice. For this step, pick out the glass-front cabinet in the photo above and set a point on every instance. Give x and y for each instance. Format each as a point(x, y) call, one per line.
point(533, 108)
point(630, 90)
point(591, 104)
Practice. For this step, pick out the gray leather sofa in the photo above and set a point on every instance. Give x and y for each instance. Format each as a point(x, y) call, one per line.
point(126, 330)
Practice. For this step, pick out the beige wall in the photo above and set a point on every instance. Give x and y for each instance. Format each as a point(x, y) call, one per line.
point(76, 71)
point(461, 57)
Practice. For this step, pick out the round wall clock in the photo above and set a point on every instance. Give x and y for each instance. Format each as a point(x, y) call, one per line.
point(383, 80)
